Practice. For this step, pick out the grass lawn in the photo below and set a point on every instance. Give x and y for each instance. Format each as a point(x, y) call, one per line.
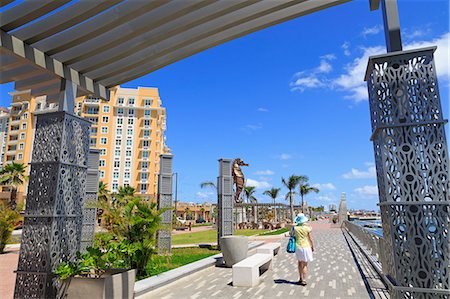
point(180, 257)
point(209, 236)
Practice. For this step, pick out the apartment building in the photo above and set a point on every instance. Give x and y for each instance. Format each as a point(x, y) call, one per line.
point(17, 130)
point(129, 132)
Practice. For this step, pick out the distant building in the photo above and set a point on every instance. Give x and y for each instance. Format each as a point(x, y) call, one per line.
point(332, 208)
point(129, 132)
point(195, 211)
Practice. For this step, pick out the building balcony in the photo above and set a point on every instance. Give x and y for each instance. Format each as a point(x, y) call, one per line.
point(92, 102)
point(13, 141)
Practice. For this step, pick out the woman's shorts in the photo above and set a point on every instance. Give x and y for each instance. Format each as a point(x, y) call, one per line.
point(304, 254)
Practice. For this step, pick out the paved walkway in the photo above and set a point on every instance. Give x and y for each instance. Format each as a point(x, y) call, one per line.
point(8, 263)
point(336, 272)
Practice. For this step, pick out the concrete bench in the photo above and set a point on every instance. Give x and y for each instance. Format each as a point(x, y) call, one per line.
point(269, 248)
point(246, 272)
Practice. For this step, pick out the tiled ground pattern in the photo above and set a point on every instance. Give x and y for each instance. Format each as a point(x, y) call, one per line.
point(333, 274)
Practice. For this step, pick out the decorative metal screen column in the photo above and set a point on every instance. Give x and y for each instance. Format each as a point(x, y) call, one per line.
point(90, 201)
point(225, 199)
point(411, 157)
point(165, 201)
point(343, 208)
point(53, 214)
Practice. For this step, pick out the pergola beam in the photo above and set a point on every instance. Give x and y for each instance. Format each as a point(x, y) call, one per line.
point(27, 54)
point(27, 11)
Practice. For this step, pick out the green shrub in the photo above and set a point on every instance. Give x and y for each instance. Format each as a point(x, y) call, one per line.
point(8, 219)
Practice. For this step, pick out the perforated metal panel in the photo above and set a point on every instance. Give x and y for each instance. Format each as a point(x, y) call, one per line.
point(411, 156)
point(56, 191)
point(225, 200)
point(165, 201)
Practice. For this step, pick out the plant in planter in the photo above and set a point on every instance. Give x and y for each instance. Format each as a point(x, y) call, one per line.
point(92, 275)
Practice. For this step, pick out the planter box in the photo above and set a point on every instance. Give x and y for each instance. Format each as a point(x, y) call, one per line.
point(234, 249)
point(114, 284)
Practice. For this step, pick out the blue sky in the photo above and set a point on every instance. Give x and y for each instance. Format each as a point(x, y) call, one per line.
point(289, 99)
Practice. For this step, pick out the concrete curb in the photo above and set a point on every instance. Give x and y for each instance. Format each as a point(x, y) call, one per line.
point(152, 283)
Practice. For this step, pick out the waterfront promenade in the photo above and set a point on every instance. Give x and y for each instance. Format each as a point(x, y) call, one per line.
point(338, 271)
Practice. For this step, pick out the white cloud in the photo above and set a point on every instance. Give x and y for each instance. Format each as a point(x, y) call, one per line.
point(264, 172)
point(204, 194)
point(327, 198)
point(261, 109)
point(369, 173)
point(313, 78)
point(351, 81)
point(367, 191)
point(252, 127)
point(346, 46)
point(325, 186)
point(258, 184)
point(372, 30)
point(285, 156)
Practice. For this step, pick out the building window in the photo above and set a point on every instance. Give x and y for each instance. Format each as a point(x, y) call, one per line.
point(102, 163)
point(145, 143)
point(120, 121)
point(103, 152)
point(104, 130)
point(130, 132)
point(147, 102)
point(117, 164)
point(105, 119)
point(21, 146)
point(147, 112)
point(101, 174)
point(144, 165)
point(117, 153)
point(118, 142)
point(128, 153)
point(38, 106)
point(126, 175)
point(143, 188)
point(120, 111)
point(131, 101)
point(146, 122)
point(129, 142)
point(25, 115)
point(130, 121)
point(93, 141)
point(19, 157)
point(119, 131)
point(115, 175)
point(120, 101)
point(93, 131)
point(130, 112)
point(144, 176)
point(146, 133)
point(115, 186)
point(145, 154)
point(24, 126)
point(106, 109)
point(25, 106)
point(103, 140)
point(127, 164)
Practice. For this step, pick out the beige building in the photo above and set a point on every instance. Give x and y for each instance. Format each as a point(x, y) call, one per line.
point(195, 211)
point(129, 132)
point(17, 131)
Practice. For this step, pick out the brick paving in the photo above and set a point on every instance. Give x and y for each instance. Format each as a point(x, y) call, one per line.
point(336, 272)
point(8, 263)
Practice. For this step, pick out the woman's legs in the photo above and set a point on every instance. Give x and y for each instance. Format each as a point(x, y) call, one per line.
point(300, 270)
point(304, 270)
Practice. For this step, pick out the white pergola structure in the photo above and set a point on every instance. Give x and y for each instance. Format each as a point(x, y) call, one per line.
point(95, 45)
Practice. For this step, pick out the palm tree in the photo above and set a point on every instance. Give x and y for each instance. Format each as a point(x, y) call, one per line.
point(249, 192)
point(208, 184)
point(13, 175)
point(273, 193)
point(126, 192)
point(290, 184)
point(103, 192)
point(305, 189)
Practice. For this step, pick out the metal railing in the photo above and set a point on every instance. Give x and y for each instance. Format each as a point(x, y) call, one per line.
point(369, 239)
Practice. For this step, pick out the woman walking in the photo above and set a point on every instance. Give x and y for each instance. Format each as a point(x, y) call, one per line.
point(305, 246)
